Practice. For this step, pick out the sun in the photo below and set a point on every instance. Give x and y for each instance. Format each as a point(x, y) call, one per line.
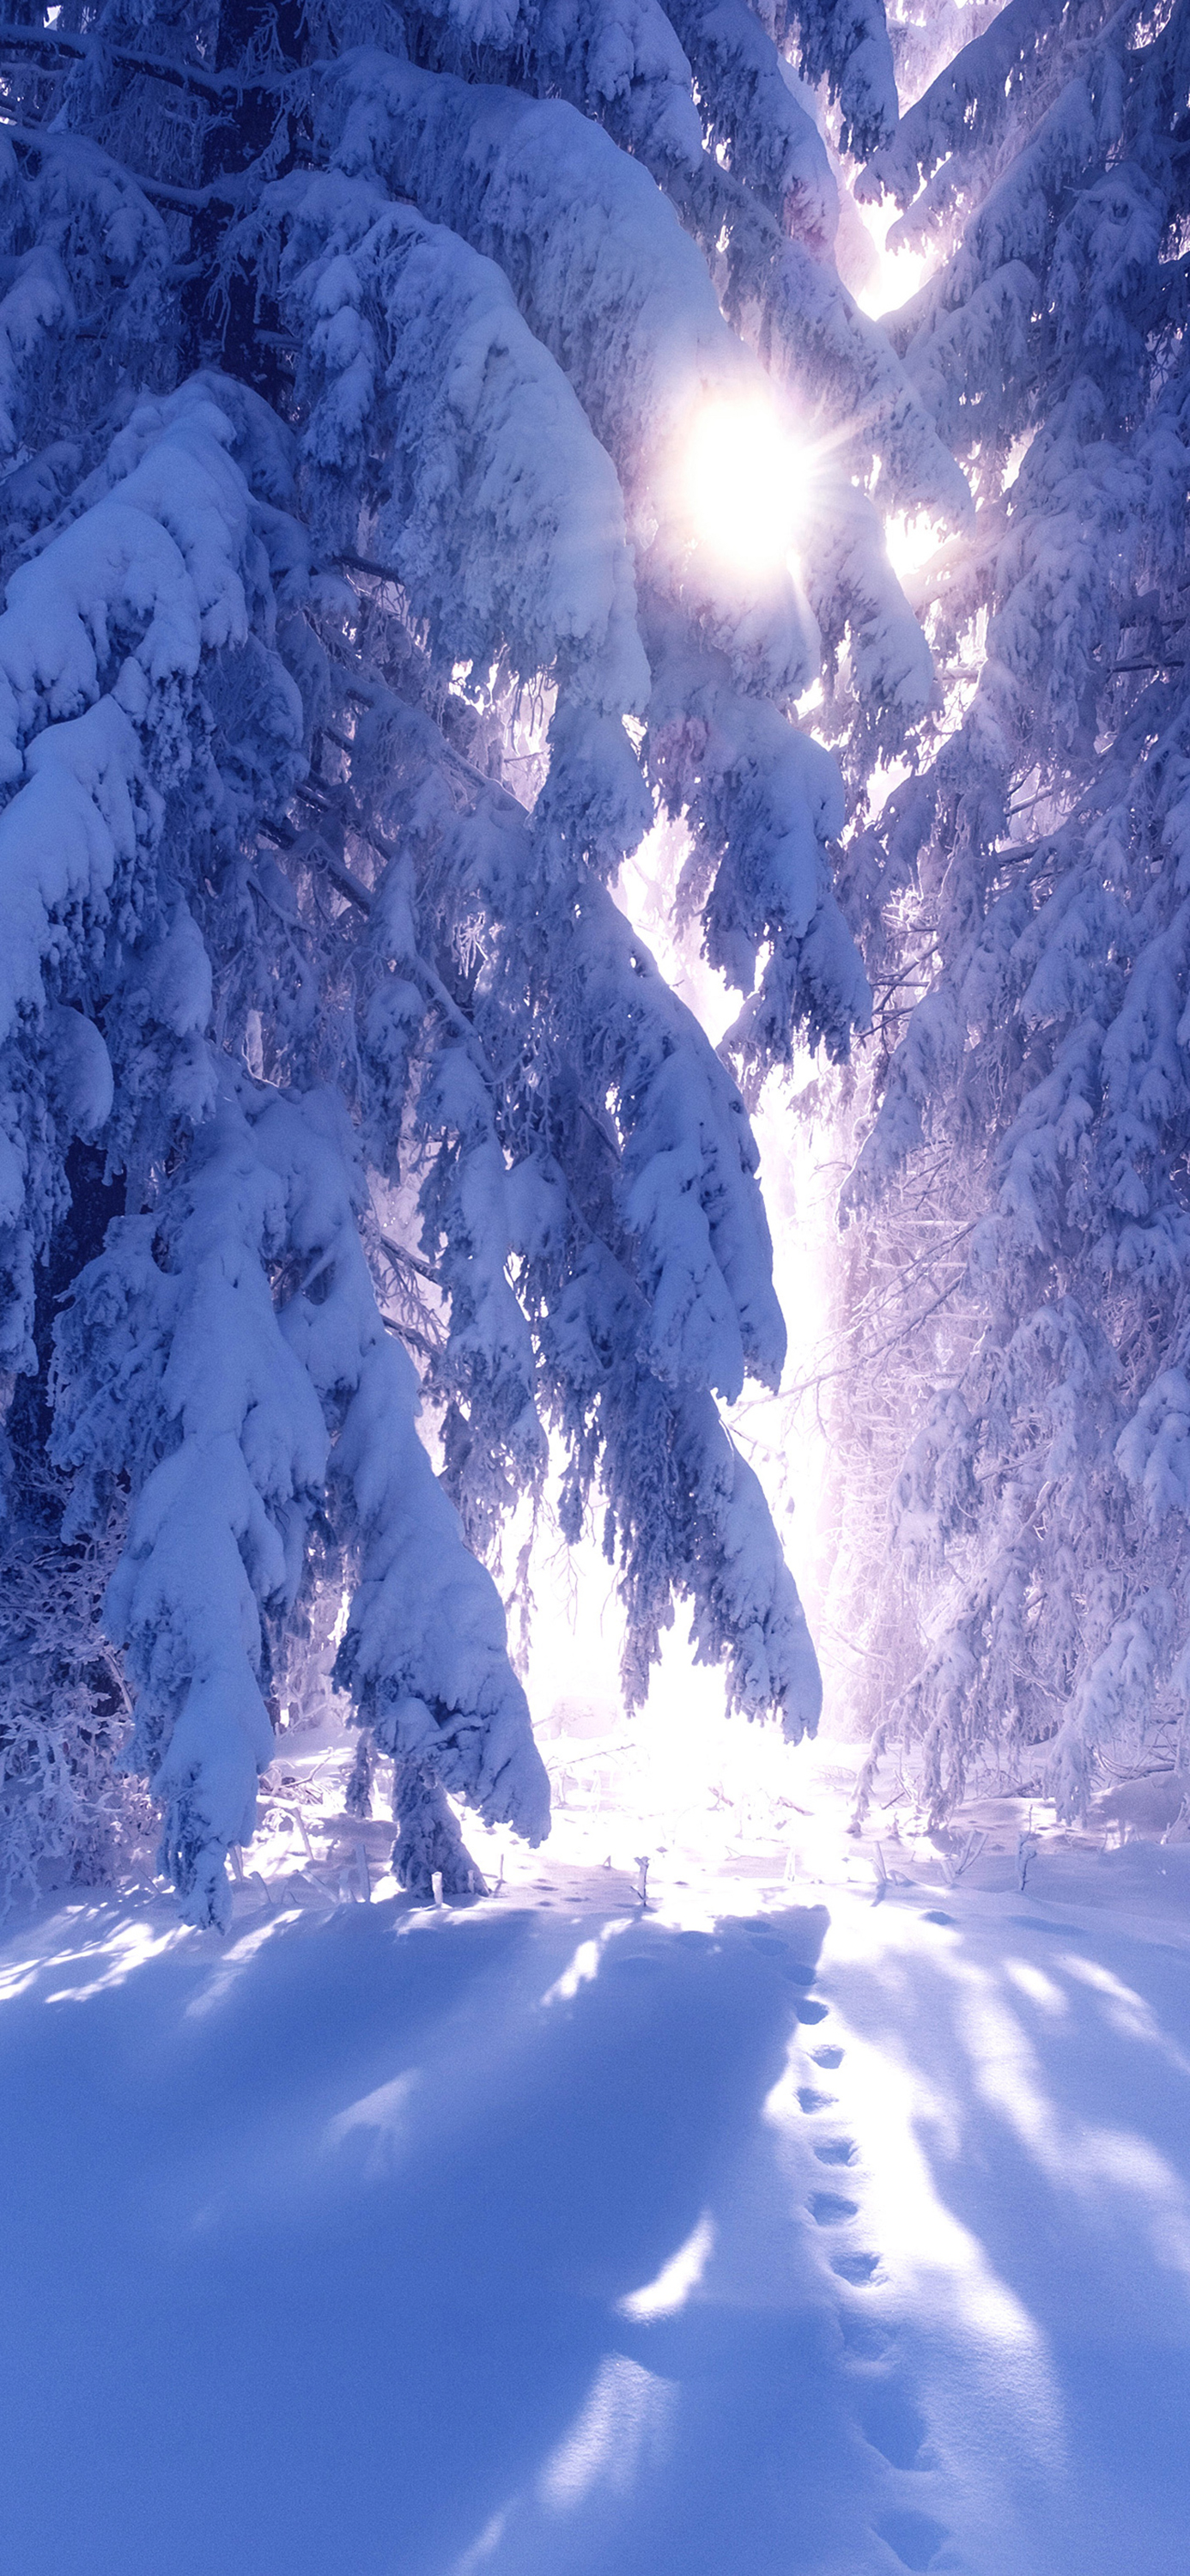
point(745, 477)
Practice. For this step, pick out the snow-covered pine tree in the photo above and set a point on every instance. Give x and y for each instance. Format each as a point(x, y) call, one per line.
point(357, 626)
point(1026, 1178)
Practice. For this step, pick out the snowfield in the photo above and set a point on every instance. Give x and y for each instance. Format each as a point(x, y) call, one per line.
point(838, 2225)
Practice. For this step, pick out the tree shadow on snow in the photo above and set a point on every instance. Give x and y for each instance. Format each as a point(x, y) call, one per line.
point(411, 2246)
point(1020, 2086)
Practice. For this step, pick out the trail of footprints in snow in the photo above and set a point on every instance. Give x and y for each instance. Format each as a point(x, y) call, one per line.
point(834, 2208)
point(890, 2420)
point(827, 2208)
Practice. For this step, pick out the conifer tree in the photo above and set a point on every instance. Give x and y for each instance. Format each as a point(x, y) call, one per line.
point(357, 626)
point(1022, 902)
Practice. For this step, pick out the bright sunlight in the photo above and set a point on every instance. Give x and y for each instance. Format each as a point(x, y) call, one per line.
point(745, 483)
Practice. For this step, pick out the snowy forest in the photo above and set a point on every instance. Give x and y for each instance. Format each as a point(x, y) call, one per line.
point(594, 1249)
point(467, 467)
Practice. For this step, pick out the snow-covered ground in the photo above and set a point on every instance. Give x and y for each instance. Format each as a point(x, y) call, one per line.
point(833, 2214)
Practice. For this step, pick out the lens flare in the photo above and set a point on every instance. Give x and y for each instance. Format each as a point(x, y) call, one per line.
point(745, 480)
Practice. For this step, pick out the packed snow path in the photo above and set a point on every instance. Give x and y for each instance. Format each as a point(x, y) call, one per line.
point(540, 2242)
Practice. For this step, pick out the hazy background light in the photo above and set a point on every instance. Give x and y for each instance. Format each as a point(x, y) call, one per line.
point(884, 276)
point(745, 483)
point(910, 541)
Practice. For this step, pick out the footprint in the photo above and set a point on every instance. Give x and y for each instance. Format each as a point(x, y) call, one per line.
point(829, 2208)
point(914, 2538)
point(835, 2151)
point(812, 2101)
point(937, 1918)
point(859, 2269)
point(765, 1941)
point(827, 2056)
point(808, 2010)
point(863, 2337)
point(893, 2424)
